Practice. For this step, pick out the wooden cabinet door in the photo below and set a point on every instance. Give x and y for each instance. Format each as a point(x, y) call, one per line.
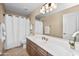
point(28, 49)
point(35, 50)
point(41, 52)
point(31, 48)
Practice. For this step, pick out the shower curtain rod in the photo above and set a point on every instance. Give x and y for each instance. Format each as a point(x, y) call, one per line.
point(11, 15)
point(8, 14)
point(3, 14)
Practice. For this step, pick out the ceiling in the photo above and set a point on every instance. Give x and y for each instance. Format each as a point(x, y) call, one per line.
point(21, 8)
point(60, 7)
point(26, 8)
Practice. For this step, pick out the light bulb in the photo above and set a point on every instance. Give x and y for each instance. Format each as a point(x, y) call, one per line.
point(43, 8)
point(31, 27)
point(47, 10)
point(52, 4)
point(46, 6)
point(43, 12)
point(55, 6)
point(51, 9)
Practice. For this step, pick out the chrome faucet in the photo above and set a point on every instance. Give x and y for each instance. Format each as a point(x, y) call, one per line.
point(44, 38)
point(74, 39)
point(74, 35)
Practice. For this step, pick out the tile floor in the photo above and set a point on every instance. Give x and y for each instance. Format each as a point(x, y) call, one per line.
point(16, 52)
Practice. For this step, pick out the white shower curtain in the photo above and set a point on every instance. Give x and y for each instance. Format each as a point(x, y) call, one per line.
point(10, 42)
point(22, 29)
point(16, 30)
point(2, 32)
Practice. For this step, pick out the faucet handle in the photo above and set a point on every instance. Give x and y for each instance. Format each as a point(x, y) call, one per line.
point(72, 44)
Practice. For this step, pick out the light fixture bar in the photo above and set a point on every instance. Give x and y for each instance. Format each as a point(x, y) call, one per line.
point(47, 7)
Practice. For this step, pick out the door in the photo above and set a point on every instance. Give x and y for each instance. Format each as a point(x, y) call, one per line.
point(69, 25)
point(77, 37)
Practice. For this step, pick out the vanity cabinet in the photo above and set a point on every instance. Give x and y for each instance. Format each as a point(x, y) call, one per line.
point(41, 52)
point(35, 50)
point(31, 48)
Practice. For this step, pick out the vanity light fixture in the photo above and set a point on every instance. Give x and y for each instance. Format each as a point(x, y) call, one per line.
point(47, 7)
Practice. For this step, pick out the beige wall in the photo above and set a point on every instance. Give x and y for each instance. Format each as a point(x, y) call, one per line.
point(32, 18)
point(2, 11)
point(56, 21)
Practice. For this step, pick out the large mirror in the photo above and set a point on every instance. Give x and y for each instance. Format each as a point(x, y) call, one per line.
point(62, 22)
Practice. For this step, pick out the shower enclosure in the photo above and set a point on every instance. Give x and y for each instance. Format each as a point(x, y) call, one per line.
point(16, 30)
